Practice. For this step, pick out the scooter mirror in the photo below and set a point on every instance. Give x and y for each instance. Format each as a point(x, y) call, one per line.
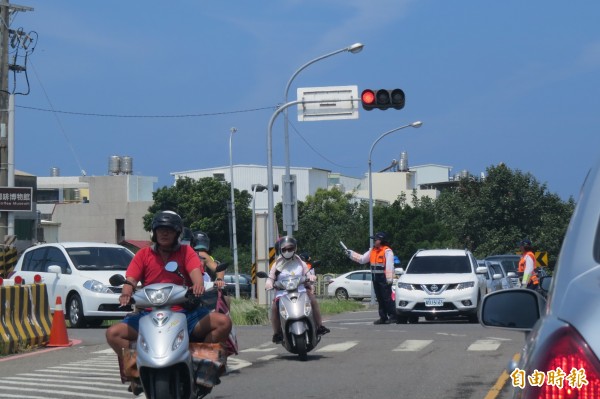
point(222, 267)
point(261, 274)
point(171, 266)
point(117, 280)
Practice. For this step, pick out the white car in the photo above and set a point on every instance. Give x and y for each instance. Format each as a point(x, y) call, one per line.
point(356, 284)
point(78, 272)
point(440, 283)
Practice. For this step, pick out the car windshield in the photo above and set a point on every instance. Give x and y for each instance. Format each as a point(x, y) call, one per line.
point(100, 258)
point(439, 264)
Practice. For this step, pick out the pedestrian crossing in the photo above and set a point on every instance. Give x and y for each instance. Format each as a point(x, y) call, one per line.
point(98, 376)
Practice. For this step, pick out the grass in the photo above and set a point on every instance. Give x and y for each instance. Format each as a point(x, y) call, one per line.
point(245, 313)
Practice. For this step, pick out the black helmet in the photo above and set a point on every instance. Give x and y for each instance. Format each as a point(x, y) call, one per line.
point(287, 242)
point(525, 243)
point(201, 241)
point(167, 219)
point(381, 236)
point(305, 256)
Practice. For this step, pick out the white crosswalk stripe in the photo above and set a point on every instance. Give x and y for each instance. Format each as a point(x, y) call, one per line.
point(98, 377)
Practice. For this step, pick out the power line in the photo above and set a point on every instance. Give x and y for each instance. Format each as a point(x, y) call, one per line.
point(147, 116)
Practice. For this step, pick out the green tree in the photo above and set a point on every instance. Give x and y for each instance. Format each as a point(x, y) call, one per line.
point(493, 215)
point(324, 220)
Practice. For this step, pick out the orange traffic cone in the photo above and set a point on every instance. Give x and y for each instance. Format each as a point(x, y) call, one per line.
point(58, 333)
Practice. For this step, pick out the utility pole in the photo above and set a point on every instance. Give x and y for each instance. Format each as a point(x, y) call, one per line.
point(6, 11)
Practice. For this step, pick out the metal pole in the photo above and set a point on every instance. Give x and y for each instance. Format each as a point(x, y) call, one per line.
point(414, 124)
point(287, 208)
point(235, 254)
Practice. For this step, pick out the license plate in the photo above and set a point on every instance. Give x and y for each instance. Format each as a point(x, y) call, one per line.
point(434, 302)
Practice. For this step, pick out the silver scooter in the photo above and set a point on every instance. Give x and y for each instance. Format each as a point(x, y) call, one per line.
point(165, 362)
point(297, 319)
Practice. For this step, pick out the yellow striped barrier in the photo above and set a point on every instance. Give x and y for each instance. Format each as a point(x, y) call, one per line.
point(25, 320)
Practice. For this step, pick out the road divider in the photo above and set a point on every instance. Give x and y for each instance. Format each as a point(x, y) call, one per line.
point(24, 317)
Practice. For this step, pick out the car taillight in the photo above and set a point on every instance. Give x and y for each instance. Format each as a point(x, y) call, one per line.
point(567, 351)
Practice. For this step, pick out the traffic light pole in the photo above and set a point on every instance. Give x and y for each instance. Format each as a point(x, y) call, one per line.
point(272, 233)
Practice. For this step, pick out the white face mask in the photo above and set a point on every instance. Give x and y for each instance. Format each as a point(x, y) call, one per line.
point(288, 254)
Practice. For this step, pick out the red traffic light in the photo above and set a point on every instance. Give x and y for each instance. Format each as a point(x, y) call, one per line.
point(382, 99)
point(368, 99)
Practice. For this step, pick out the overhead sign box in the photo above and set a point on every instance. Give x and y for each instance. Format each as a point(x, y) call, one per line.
point(328, 103)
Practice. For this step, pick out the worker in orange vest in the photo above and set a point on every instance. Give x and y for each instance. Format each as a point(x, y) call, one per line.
point(527, 265)
point(381, 260)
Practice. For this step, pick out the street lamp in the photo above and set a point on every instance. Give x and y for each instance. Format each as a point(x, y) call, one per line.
point(256, 188)
point(234, 236)
point(287, 184)
point(414, 124)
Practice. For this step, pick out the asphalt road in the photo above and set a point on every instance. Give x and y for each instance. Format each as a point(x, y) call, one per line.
point(452, 360)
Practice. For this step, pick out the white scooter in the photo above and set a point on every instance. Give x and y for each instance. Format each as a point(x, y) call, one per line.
point(297, 319)
point(169, 366)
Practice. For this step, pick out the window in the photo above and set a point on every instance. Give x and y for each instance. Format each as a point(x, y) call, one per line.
point(34, 261)
point(439, 264)
point(357, 276)
point(54, 256)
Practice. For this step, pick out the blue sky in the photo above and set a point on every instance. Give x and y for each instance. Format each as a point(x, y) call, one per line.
point(163, 82)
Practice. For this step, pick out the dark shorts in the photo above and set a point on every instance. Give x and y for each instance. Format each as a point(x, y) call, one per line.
point(192, 316)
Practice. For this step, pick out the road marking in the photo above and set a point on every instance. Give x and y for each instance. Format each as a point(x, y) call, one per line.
point(267, 347)
point(497, 388)
point(484, 345)
point(341, 347)
point(267, 357)
point(413, 345)
point(236, 364)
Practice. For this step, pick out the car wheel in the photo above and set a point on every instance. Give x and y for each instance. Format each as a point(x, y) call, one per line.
point(401, 320)
point(341, 294)
point(75, 312)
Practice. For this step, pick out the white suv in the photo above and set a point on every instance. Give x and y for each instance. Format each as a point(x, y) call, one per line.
point(440, 283)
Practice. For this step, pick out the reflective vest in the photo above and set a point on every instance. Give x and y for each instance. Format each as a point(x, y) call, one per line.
point(377, 259)
point(534, 278)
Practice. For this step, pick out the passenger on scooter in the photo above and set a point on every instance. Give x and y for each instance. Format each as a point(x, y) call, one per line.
point(147, 267)
point(288, 263)
point(310, 290)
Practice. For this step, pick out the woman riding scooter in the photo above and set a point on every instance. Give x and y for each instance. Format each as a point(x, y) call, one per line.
point(288, 263)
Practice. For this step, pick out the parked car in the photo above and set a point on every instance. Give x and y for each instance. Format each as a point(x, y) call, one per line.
point(78, 272)
point(561, 356)
point(440, 283)
point(356, 284)
point(245, 285)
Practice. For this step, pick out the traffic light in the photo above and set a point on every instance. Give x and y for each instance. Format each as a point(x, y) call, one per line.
point(382, 99)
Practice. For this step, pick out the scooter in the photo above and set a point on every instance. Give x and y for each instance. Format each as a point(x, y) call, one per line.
point(169, 365)
point(297, 319)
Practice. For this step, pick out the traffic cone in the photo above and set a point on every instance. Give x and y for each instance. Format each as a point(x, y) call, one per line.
point(58, 333)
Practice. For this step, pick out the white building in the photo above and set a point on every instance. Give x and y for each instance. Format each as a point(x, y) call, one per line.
point(308, 180)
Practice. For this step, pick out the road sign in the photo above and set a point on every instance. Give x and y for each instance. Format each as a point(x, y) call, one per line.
point(16, 198)
point(334, 102)
point(541, 259)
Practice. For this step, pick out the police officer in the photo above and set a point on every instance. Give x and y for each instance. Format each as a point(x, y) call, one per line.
point(527, 266)
point(381, 259)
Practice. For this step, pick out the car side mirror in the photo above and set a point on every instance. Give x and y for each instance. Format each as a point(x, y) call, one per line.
point(481, 270)
point(399, 270)
point(54, 269)
point(515, 309)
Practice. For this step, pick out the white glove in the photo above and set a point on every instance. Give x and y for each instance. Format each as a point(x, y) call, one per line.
point(390, 281)
point(312, 278)
point(269, 285)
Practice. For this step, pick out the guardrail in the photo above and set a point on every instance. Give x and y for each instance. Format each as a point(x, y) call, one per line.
point(25, 320)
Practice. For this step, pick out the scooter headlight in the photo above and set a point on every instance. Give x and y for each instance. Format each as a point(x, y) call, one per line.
point(142, 343)
point(158, 297)
point(283, 312)
point(307, 309)
point(178, 340)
